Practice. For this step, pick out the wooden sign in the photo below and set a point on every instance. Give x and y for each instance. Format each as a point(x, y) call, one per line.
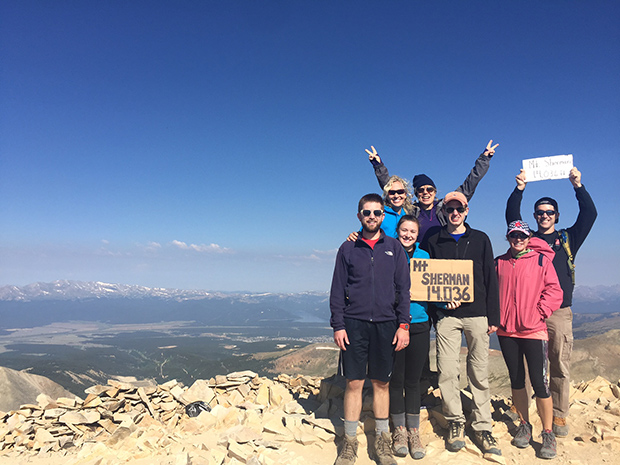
point(434, 280)
point(539, 169)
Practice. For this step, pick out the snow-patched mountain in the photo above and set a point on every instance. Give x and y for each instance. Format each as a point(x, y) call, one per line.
point(596, 299)
point(597, 293)
point(74, 290)
point(45, 303)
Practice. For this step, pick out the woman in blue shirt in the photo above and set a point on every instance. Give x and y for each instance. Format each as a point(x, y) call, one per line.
point(405, 396)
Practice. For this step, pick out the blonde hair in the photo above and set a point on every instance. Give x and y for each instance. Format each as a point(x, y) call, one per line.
point(407, 205)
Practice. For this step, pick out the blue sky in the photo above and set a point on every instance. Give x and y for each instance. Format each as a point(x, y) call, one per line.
point(220, 145)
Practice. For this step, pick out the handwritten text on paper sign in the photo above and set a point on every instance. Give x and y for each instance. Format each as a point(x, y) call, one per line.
point(539, 169)
point(434, 280)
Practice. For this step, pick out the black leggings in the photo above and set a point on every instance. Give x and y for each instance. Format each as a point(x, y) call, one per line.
point(535, 352)
point(407, 371)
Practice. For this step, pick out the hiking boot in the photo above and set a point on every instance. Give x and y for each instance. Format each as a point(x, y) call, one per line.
point(416, 449)
point(523, 436)
point(512, 413)
point(456, 436)
point(560, 428)
point(549, 445)
point(348, 451)
point(487, 443)
point(383, 450)
point(399, 442)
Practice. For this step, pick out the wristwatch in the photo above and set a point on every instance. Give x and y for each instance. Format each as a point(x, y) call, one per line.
point(404, 326)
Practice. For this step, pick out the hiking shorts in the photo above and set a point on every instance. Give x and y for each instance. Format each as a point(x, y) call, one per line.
point(370, 352)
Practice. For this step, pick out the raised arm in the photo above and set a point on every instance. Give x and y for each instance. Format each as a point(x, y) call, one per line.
point(478, 171)
point(587, 212)
point(513, 206)
point(381, 172)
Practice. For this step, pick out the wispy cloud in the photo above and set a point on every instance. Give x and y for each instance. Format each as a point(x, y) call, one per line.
point(315, 256)
point(151, 247)
point(203, 248)
point(331, 253)
point(110, 253)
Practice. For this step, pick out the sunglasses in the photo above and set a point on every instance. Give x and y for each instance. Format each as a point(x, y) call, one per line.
point(458, 209)
point(518, 235)
point(549, 213)
point(423, 190)
point(396, 191)
point(373, 212)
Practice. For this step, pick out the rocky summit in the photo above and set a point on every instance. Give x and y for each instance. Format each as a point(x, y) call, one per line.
point(247, 419)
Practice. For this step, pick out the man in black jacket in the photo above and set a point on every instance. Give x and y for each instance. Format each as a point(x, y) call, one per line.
point(565, 243)
point(369, 304)
point(476, 320)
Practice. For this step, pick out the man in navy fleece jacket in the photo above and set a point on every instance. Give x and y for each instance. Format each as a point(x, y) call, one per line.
point(369, 304)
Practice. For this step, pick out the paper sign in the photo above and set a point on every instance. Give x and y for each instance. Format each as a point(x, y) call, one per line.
point(538, 169)
point(434, 280)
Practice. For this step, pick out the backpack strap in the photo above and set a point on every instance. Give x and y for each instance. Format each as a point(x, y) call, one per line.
point(566, 244)
point(540, 259)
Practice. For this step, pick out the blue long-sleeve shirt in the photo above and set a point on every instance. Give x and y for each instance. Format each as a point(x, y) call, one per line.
point(418, 310)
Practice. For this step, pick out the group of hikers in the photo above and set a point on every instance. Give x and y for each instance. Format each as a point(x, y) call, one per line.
point(524, 295)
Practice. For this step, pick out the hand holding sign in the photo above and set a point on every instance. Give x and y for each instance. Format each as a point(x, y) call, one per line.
point(556, 167)
point(575, 177)
point(520, 178)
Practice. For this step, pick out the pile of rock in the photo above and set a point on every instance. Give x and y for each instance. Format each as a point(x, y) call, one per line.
point(135, 418)
point(259, 421)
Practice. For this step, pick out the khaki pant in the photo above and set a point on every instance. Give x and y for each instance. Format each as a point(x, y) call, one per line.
point(560, 327)
point(449, 333)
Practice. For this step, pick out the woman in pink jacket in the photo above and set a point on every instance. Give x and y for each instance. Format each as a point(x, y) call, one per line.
point(529, 292)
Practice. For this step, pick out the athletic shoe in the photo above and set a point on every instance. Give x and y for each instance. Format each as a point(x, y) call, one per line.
point(560, 428)
point(512, 413)
point(383, 450)
point(456, 436)
point(348, 451)
point(399, 441)
point(415, 444)
point(487, 443)
point(549, 445)
point(523, 436)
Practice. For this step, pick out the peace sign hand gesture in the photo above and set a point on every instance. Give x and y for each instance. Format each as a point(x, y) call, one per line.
point(373, 157)
point(490, 150)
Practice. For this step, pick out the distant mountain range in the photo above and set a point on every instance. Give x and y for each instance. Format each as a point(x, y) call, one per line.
point(596, 299)
point(76, 290)
point(43, 303)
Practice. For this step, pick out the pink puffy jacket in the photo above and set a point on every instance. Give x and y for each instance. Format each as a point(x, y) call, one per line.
point(529, 290)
